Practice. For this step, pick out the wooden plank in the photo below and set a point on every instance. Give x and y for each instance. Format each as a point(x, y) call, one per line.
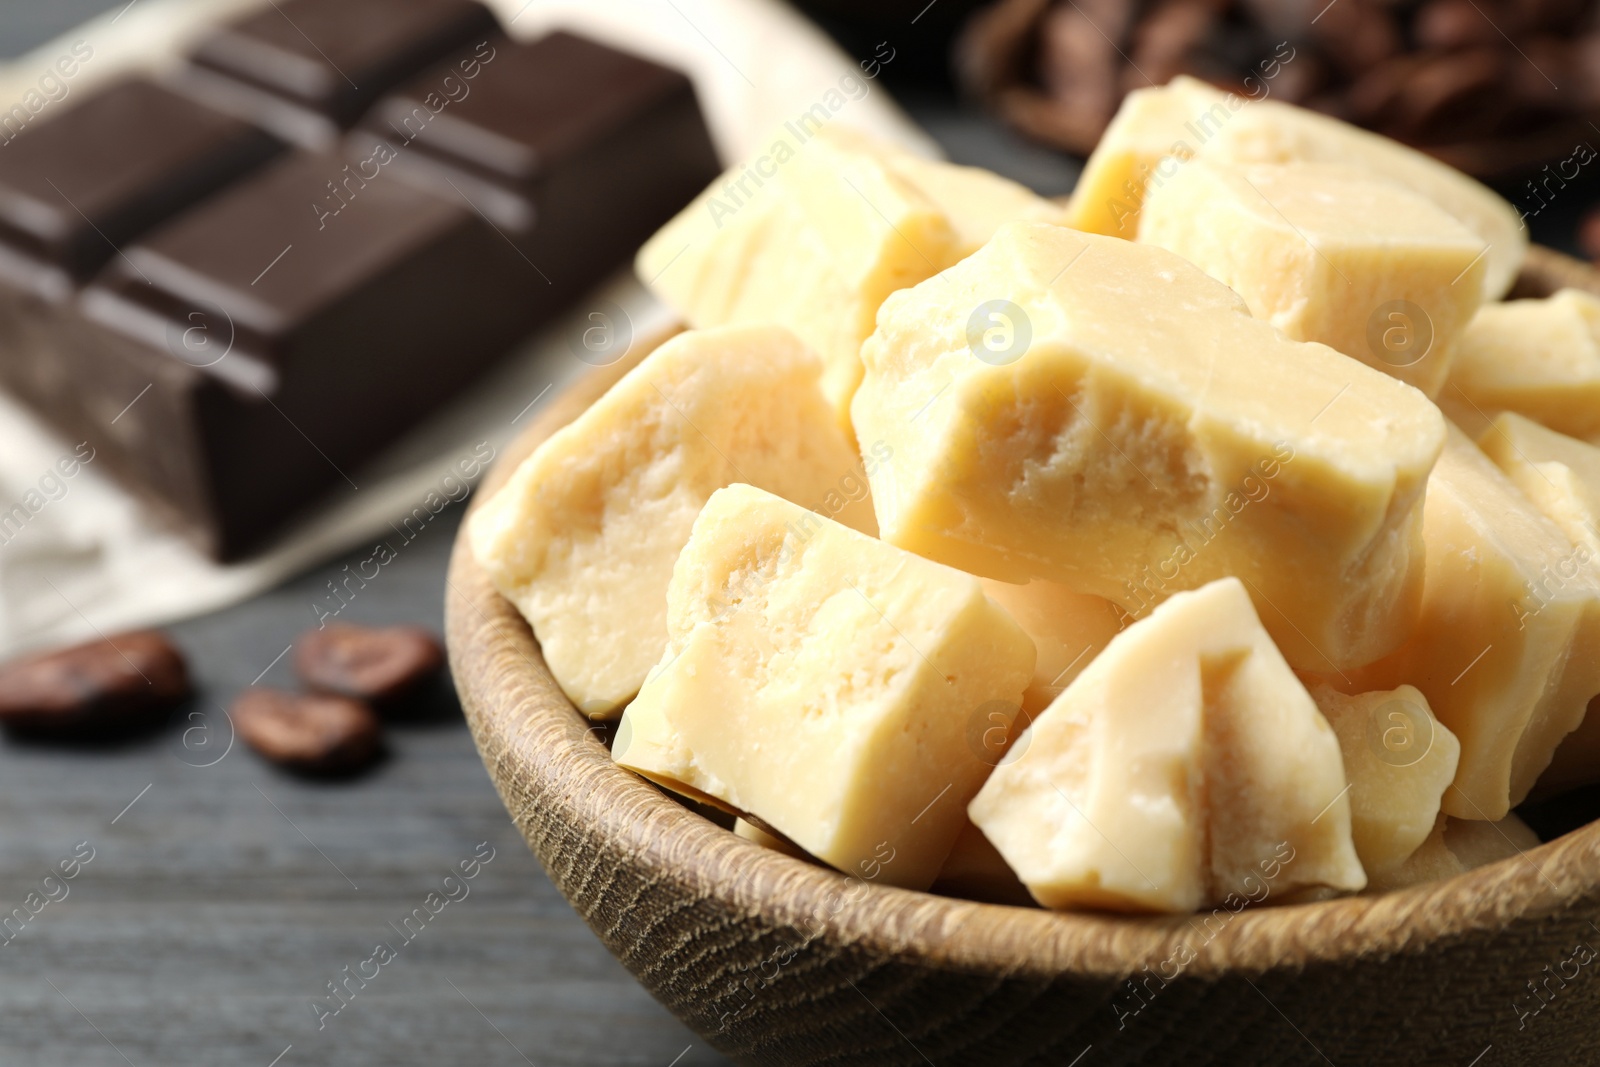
point(218, 906)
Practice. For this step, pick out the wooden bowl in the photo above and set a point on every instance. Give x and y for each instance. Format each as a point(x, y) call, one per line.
point(777, 961)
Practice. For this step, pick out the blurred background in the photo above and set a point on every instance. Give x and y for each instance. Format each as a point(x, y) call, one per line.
point(225, 897)
point(1505, 91)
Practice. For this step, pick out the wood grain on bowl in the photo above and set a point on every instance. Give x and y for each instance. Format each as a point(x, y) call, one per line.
point(778, 961)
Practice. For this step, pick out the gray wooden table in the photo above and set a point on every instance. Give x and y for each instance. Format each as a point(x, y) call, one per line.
point(223, 896)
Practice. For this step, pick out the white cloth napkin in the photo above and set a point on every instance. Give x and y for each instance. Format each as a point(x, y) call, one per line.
point(89, 559)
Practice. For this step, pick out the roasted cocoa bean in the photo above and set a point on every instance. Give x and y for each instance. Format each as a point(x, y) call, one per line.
point(312, 733)
point(100, 686)
point(370, 664)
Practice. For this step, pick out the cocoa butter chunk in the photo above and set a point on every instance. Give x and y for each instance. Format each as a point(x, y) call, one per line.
point(1507, 649)
point(1068, 629)
point(1539, 358)
point(843, 222)
point(1399, 759)
point(1456, 846)
point(1560, 474)
point(102, 684)
point(767, 839)
point(367, 663)
point(976, 870)
point(310, 733)
point(1186, 766)
point(1102, 414)
point(1156, 128)
point(828, 684)
point(583, 536)
point(1329, 253)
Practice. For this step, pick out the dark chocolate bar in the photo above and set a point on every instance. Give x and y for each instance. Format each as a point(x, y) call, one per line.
point(537, 134)
point(76, 187)
point(303, 348)
point(242, 359)
point(309, 68)
point(79, 185)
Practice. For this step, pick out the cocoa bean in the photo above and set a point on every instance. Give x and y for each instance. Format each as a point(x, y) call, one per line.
point(100, 686)
point(311, 733)
point(379, 665)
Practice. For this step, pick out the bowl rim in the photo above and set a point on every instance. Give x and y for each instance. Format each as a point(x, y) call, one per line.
point(540, 751)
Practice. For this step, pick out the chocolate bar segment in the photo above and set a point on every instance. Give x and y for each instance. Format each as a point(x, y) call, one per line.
point(244, 359)
point(292, 350)
point(85, 182)
point(75, 188)
point(578, 150)
point(308, 68)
